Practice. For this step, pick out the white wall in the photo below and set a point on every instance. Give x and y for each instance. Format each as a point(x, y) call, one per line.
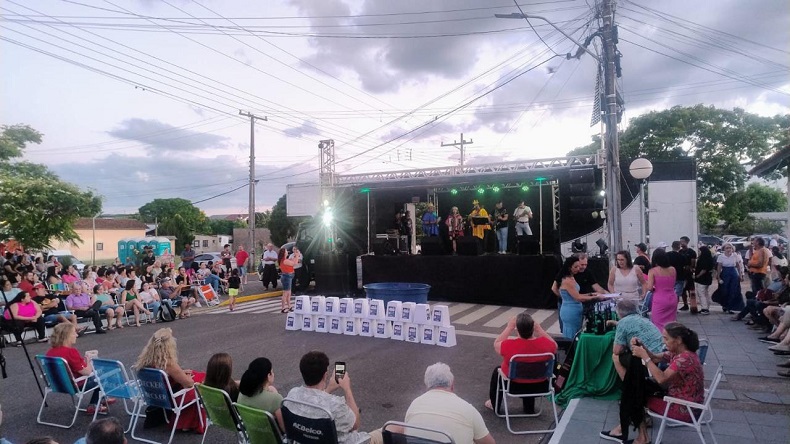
point(672, 211)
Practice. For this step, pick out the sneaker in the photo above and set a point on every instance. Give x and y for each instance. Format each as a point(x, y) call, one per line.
point(684, 307)
point(704, 311)
point(100, 331)
point(43, 340)
point(197, 305)
point(609, 437)
point(768, 340)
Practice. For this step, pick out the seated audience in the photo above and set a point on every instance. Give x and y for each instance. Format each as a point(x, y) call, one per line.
point(441, 409)
point(256, 389)
point(108, 307)
point(51, 309)
point(105, 431)
point(531, 339)
point(314, 367)
point(160, 353)
point(219, 374)
point(632, 325)
point(131, 302)
point(21, 313)
point(151, 299)
point(84, 306)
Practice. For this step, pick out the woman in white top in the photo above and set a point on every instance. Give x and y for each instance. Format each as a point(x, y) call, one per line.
point(729, 269)
point(625, 278)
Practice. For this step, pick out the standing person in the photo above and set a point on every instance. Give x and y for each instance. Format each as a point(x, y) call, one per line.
point(225, 255)
point(269, 270)
point(758, 264)
point(778, 260)
point(642, 260)
point(703, 278)
point(242, 257)
point(680, 263)
point(626, 278)
point(531, 339)
point(234, 283)
point(187, 257)
point(455, 226)
point(287, 276)
point(478, 230)
point(501, 220)
point(430, 222)
point(406, 229)
point(256, 389)
point(691, 262)
point(160, 353)
point(571, 311)
point(661, 279)
point(523, 215)
point(729, 269)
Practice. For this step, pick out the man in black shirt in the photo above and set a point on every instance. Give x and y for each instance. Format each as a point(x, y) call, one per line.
point(501, 221)
point(51, 309)
point(691, 262)
point(642, 259)
point(680, 264)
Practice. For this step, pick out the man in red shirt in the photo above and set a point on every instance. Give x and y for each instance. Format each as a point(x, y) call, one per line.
point(241, 263)
point(28, 280)
point(531, 339)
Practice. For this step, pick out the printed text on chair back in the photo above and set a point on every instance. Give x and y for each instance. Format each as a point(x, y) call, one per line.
point(155, 388)
point(218, 407)
point(259, 424)
point(57, 374)
point(112, 378)
point(308, 430)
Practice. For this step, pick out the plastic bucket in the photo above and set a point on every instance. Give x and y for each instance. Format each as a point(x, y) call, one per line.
point(398, 291)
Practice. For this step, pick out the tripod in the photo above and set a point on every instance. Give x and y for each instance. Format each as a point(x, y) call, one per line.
point(24, 347)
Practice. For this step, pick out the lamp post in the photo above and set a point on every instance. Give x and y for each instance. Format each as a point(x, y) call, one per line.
point(640, 170)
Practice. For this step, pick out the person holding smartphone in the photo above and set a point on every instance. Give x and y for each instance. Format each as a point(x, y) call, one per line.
point(317, 390)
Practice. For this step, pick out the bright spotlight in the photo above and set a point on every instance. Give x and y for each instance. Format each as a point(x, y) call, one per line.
point(481, 190)
point(326, 203)
point(525, 188)
point(495, 189)
point(327, 218)
point(602, 193)
point(453, 191)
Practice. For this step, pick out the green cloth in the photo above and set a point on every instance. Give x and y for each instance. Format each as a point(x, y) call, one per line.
point(592, 373)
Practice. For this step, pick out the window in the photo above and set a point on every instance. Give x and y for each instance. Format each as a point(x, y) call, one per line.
point(99, 246)
point(205, 244)
point(196, 244)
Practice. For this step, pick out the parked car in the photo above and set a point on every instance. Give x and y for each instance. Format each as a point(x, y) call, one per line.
point(65, 258)
point(211, 257)
point(709, 240)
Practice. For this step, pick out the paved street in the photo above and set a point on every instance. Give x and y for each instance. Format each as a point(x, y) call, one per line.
point(386, 375)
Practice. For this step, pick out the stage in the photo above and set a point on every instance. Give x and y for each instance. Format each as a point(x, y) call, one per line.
point(509, 279)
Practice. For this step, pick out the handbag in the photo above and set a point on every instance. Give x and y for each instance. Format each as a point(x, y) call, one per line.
point(718, 296)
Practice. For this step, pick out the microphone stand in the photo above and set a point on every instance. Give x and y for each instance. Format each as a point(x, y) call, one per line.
point(24, 347)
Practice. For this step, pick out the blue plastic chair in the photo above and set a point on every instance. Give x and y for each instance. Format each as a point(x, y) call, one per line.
point(540, 367)
point(59, 379)
point(156, 391)
point(115, 382)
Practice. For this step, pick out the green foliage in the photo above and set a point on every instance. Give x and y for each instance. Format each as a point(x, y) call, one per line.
point(14, 138)
point(281, 227)
point(768, 226)
point(592, 148)
point(177, 217)
point(708, 217)
point(262, 219)
point(755, 198)
point(225, 227)
point(36, 207)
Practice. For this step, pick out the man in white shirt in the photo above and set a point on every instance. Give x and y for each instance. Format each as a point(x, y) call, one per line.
point(441, 409)
point(269, 270)
point(522, 215)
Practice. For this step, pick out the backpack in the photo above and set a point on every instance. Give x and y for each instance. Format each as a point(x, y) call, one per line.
point(166, 313)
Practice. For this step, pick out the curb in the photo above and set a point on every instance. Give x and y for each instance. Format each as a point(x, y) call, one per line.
point(252, 297)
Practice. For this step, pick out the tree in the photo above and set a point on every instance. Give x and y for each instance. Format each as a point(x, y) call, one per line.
point(262, 219)
point(592, 148)
point(176, 217)
point(708, 215)
point(36, 207)
point(755, 198)
point(281, 227)
point(225, 227)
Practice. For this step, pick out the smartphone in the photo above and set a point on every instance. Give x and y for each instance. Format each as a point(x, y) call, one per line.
point(340, 370)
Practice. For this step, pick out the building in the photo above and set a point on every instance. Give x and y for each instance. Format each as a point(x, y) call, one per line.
point(104, 236)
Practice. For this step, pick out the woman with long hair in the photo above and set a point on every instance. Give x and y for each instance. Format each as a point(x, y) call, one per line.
point(219, 374)
point(130, 300)
point(661, 279)
point(625, 278)
point(571, 311)
point(287, 276)
point(256, 389)
point(160, 353)
point(23, 312)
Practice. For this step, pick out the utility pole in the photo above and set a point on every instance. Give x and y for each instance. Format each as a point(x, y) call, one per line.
point(460, 146)
point(612, 142)
point(251, 222)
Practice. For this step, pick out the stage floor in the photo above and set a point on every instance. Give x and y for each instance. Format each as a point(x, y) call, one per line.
point(521, 281)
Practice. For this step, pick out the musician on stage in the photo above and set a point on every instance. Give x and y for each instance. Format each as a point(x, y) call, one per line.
point(523, 214)
point(455, 225)
point(500, 222)
point(430, 221)
point(478, 230)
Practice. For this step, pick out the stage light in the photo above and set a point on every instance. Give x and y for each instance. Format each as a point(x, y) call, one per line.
point(540, 179)
point(453, 191)
point(602, 193)
point(495, 189)
point(602, 246)
point(327, 217)
point(525, 188)
point(578, 246)
point(365, 190)
point(326, 203)
point(481, 190)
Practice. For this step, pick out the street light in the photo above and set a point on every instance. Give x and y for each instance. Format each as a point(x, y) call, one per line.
point(640, 170)
point(517, 15)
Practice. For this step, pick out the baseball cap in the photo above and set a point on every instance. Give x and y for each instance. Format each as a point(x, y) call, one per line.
point(641, 246)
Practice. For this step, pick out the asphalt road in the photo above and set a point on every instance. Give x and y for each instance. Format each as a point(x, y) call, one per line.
point(386, 375)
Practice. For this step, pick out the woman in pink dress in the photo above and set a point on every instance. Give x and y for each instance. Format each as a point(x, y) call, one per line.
point(661, 278)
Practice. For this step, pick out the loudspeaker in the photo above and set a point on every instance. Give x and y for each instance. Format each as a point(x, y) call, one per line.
point(468, 246)
point(527, 245)
point(432, 246)
point(384, 247)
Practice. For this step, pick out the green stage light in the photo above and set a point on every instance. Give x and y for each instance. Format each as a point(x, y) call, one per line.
point(540, 179)
point(525, 188)
point(365, 190)
point(453, 191)
point(481, 190)
point(495, 189)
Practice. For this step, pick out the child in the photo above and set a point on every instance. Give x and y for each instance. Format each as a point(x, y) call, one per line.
point(234, 282)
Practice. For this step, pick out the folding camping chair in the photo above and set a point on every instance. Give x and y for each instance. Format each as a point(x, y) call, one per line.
point(220, 411)
point(115, 382)
point(156, 391)
point(541, 366)
point(259, 425)
point(208, 295)
point(59, 379)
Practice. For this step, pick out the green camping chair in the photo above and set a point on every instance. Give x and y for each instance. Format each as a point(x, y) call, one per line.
point(220, 411)
point(260, 425)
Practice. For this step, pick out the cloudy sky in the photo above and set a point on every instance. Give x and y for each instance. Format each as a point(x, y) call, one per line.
point(140, 99)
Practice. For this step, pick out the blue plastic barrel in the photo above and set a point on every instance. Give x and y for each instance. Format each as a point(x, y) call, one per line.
point(398, 291)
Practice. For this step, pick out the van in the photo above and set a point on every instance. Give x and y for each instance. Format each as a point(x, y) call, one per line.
point(65, 258)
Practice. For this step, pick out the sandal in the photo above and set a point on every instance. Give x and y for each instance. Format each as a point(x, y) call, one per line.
point(284, 310)
point(92, 409)
point(111, 328)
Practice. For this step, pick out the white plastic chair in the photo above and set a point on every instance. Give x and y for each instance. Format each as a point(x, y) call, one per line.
point(705, 417)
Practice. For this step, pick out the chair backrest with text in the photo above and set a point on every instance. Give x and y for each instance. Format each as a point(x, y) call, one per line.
point(317, 428)
point(155, 388)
